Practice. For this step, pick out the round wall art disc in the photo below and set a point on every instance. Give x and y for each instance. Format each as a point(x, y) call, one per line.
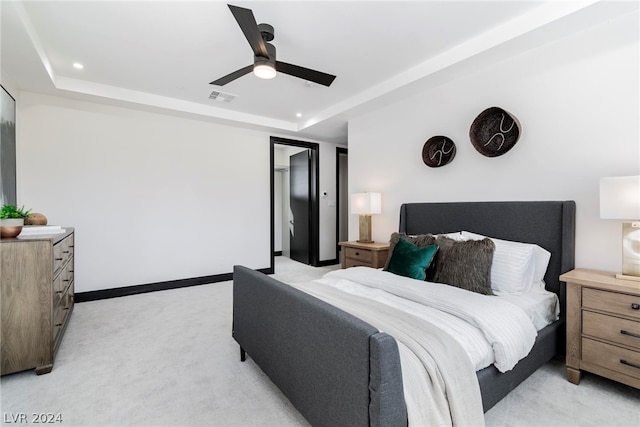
point(438, 151)
point(494, 132)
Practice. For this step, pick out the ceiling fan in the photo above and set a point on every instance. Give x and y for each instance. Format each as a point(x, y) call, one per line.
point(265, 64)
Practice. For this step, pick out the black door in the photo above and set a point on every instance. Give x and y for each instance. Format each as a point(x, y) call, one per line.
point(300, 204)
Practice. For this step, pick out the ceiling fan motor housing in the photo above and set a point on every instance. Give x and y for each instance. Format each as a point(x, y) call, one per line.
point(266, 31)
point(272, 56)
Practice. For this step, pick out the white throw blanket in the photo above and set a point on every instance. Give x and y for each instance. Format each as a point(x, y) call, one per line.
point(440, 385)
point(506, 328)
point(438, 371)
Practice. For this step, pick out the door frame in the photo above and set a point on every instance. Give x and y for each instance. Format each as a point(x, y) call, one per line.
point(339, 151)
point(314, 226)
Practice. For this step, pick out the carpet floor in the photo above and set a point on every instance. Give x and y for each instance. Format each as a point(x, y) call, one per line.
point(167, 359)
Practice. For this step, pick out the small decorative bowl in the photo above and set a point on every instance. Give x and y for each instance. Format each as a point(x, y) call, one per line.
point(10, 228)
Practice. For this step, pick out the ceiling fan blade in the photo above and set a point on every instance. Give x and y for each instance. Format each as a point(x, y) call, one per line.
point(305, 73)
point(231, 77)
point(249, 27)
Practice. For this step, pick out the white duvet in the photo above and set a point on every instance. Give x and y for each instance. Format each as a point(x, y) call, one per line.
point(489, 328)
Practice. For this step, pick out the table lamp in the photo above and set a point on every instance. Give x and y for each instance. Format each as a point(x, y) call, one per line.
point(365, 205)
point(620, 199)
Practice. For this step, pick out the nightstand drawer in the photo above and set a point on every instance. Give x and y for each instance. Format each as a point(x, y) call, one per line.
point(621, 331)
point(362, 255)
point(626, 362)
point(350, 262)
point(620, 304)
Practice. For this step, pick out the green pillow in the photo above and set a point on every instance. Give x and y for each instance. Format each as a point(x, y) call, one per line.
point(411, 261)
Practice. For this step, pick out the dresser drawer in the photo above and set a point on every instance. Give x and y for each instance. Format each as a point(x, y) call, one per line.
point(361, 255)
point(621, 331)
point(626, 362)
point(61, 311)
point(62, 252)
point(58, 289)
point(620, 304)
point(67, 275)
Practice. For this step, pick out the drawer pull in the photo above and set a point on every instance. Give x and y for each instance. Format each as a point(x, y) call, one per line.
point(631, 334)
point(65, 252)
point(635, 306)
point(65, 280)
point(60, 324)
point(58, 259)
point(357, 253)
point(633, 365)
point(58, 292)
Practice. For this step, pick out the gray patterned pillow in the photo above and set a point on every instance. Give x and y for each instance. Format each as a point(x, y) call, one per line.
point(465, 264)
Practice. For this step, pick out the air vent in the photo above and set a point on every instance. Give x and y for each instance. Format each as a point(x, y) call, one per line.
point(222, 96)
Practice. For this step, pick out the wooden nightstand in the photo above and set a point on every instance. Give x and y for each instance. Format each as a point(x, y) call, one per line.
point(603, 326)
point(364, 254)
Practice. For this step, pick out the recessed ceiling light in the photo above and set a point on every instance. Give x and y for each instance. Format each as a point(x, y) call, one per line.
point(298, 114)
point(78, 66)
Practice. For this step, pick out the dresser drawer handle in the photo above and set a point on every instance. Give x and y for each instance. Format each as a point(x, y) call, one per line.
point(66, 252)
point(59, 259)
point(60, 324)
point(631, 334)
point(633, 365)
point(635, 306)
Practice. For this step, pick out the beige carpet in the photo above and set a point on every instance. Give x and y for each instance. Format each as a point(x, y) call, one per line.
point(168, 359)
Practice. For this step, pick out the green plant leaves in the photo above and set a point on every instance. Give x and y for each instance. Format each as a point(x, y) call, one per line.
point(11, 211)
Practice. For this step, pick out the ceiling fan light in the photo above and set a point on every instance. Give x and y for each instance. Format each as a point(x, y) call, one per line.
point(264, 70)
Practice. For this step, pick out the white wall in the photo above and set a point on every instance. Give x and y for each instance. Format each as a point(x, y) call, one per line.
point(327, 203)
point(577, 101)
point(153, 197)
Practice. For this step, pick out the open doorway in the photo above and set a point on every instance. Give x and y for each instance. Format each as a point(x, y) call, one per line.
point(294, 200)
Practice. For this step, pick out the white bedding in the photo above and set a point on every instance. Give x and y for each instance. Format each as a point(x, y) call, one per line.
point(499, 330)
point(439, 383)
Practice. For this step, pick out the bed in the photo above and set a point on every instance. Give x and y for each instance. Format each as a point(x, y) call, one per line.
point(337, 369)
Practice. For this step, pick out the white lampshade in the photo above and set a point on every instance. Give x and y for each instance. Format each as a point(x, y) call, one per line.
point(366, 203)
point(620, 198)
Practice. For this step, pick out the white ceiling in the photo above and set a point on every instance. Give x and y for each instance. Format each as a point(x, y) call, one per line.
point(163, 54)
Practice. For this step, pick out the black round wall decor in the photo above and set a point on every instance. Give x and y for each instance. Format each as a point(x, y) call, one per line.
point(438, 151)
point(494, 132)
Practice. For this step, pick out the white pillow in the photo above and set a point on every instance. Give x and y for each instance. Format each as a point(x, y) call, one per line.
point(457, 236)
point(542, 257)
point(516, 266)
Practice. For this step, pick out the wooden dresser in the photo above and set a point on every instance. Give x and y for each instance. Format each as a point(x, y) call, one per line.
point(37, 292)
point(603, 326)
point(356, 254)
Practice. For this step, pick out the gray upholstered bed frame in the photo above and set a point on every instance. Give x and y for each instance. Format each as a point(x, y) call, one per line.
point(338, 370)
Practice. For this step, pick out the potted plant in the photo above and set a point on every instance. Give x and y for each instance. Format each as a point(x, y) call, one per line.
point(12, 220)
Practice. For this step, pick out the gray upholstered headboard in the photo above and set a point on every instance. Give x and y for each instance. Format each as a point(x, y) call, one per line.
point(549, 224)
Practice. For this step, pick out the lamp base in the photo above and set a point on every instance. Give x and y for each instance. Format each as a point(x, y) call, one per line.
point(365, 229)
point(630, 251)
